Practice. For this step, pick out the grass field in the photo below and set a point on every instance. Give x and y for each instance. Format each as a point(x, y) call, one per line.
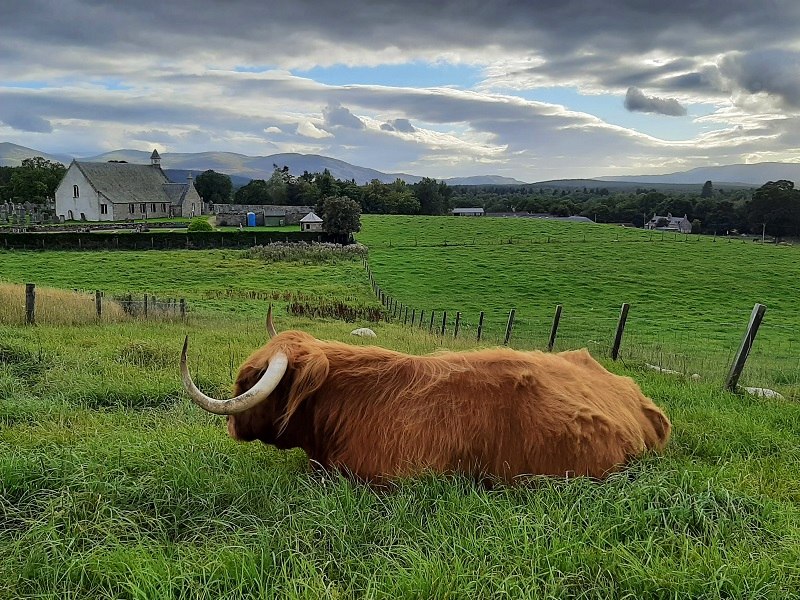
point(690, 296)
point(112, 485)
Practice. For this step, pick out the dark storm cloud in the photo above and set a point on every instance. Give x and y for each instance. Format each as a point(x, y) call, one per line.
point(636, 101)
point(773, 72)
point(283, 31)
point(26, 122)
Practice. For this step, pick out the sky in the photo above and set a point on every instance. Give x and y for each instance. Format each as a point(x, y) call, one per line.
point(535, 90)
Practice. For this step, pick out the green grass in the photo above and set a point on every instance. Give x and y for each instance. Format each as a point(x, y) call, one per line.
point(211, 281)
point(690, 296)
point(112, 485)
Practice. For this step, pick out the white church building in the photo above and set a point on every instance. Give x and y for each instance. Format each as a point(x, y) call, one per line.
point(118, 191)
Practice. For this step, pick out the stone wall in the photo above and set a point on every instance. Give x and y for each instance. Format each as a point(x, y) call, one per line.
point(293, 213)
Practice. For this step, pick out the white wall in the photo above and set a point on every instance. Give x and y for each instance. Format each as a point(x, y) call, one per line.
point(88, 201)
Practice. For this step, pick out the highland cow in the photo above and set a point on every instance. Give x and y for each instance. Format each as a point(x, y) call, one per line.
point(377, 414)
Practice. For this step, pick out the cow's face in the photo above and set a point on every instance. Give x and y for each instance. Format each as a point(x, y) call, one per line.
point(271, 391)
point(261, 422)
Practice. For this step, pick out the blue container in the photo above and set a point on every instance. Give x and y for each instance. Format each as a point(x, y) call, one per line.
point(251, 219)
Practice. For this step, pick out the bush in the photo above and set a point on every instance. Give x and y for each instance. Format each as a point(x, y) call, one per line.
point(200, 224)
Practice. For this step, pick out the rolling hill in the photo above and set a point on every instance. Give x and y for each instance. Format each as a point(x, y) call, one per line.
point(242, 168)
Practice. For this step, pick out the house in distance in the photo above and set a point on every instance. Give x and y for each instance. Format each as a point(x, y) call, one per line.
point(118, 191)
point(669, 223)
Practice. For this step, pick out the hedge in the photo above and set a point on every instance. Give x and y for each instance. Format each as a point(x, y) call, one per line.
point(179, 240)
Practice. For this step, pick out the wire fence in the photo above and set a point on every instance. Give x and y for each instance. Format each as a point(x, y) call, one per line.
point(29, 305)
point(689, 349)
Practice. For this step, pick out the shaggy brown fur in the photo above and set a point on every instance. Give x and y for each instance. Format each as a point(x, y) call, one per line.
point(499, 413)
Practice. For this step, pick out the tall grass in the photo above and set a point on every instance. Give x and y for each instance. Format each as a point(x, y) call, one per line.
point(55, 307)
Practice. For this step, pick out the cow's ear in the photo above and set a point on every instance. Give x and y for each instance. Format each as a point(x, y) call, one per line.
point(309, 371)
point(248, 376)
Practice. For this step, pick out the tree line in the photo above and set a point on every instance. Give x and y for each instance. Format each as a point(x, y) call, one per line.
point(35, 180)
point(426, 197)
point(773, 208)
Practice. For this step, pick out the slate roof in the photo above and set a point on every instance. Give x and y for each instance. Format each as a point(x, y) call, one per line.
point(176, 192)
point(123, 183)
point(311, 218)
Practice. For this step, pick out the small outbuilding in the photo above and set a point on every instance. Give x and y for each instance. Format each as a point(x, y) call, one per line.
point(468, 212)
point(311, 222)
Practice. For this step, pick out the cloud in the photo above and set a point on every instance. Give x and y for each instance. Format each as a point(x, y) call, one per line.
point(339, 116)
point(204, 75)
point(774, 72)
point(308, 129)
point(401, 125)
point(27, 122)
point(636, 101)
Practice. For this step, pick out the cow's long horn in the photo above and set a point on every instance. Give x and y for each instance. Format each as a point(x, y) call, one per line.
point(270, 325)
point(256, 394)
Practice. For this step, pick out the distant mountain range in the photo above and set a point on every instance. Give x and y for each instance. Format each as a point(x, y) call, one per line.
point(756, 174)
point(243, 168)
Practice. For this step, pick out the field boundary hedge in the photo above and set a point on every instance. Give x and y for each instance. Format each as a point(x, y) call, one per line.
point(199, 240)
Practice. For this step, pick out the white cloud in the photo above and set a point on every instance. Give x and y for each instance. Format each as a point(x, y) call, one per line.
point(308, 129)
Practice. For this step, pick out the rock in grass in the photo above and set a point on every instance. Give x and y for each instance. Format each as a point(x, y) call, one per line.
point(763, 392)
point(363, 332)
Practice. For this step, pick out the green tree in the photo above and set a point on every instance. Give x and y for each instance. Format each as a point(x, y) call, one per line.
point(433, 196)
point(214, 187)
point(36, 180)
point(5, 183)
point(708, 190)
point(776, 207)
point(255, 192)
point(341, 216)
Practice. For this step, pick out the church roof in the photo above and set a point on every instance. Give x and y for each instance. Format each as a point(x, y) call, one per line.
point(128, 182)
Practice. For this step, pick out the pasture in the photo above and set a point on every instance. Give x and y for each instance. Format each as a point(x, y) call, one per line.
point(112, 485)
point(690, 296)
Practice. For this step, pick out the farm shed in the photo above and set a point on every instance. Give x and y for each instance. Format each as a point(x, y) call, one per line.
point(467, 212)
point(311, 222)
point(116, 191)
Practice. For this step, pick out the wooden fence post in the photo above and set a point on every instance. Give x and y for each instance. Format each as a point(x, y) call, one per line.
point(98, 303)
point(430, 327)
point(480, 326)
point(444, 322)
point(421, 315)
point(554, 330)
point(458, 323)
point(509, 326)
point(623, 317)
point(405, 320)
point(30, 303)
point(183, 308)
point(744, 349)
point(413, 316)
point(145, 306)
